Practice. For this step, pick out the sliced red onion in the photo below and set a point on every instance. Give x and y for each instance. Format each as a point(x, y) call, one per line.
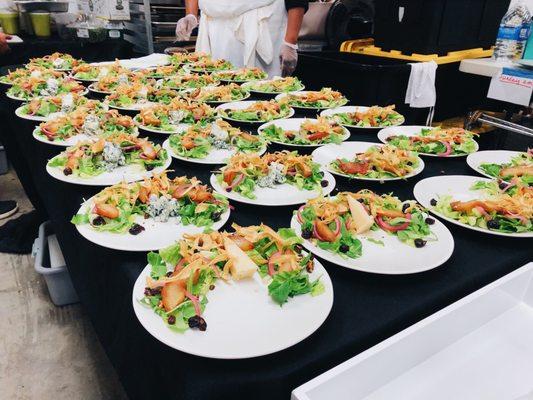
point(393, 228)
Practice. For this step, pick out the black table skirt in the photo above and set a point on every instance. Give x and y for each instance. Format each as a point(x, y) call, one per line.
point(367, 308)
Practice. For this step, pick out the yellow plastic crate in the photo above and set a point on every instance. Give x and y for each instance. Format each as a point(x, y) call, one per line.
point(354, 46)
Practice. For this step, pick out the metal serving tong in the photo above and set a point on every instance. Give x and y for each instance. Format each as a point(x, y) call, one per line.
point(476, 118)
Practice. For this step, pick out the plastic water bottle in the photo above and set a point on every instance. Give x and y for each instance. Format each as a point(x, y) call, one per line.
point(513, 33)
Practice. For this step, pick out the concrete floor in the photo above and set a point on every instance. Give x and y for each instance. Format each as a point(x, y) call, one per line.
point(46, 352)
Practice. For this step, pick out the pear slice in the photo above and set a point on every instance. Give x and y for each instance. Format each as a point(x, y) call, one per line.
point(360, 217)
point(242, 266)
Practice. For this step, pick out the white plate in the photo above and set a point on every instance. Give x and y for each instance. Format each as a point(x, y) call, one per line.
point(185, 93)
point(127, 173)
point(350, 109)
point(134, 107)
point(293, 124)
point(330, 152)
point(280, 96)
point(457, 186)
point(71, 141)
point(18, 113)
point(156, 235)
point(14, 39)
point(242, 320)
point(215, 75)
point(83, 80)
point(82, 93)
point(474, 160)
point(240, 105)
point(247, 95)
point(412, 130)
point(281, 195)
point(394, 257)
point(92, 89)
point(215, 156)
point(178, 128)
point(247, 86)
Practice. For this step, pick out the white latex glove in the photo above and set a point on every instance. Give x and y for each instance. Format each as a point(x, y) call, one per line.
point(185, 26)
point(288, 58)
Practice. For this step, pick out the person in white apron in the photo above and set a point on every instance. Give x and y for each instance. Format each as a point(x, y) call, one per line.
point(248, 33)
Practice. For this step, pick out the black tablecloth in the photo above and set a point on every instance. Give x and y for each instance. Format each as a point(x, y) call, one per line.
point(367, 308)
point(34, 46)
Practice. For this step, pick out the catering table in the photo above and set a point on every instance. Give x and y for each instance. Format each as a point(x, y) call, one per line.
point(34, 46)
point(367, 308)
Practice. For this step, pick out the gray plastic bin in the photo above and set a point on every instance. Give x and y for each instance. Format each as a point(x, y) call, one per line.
point(57, 277)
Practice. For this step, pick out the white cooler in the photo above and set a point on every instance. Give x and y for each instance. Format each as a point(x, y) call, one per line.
point(479, 348)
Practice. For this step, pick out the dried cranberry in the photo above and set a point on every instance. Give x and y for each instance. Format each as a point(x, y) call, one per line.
point(197, 322)
point(307, 233)
point(171, 320)
point(420, 242)
point(99, 221)
point(67, 171)
point(136, 229)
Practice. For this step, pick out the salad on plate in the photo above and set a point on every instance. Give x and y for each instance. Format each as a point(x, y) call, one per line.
point(275, 85)
point(94, 72)
point(323, 98)
point(218, 94)
point(366, 117)
point(208, 65)
point(181, 200)
point(162, 71)
point(85, 122)
point(188, 81)
point(90, 158)
point(28, 88)
point(198, 141)
point(243, 173)
point(380, 162)
point(501, 207)
point(182, 275)
point(241, 75)
point(187, 58)
point(255, 111)
point(518, 169)
point(48, 107)
point(57, 61)
point(338, 223)
point(167, 118)
point(305, 132)
point(136, 96)
point(109, 83)
point(442, 142)
point(34, 71)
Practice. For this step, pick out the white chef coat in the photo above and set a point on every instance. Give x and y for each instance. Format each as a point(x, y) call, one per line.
point(249, 33)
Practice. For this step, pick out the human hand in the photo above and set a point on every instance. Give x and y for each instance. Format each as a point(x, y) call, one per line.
point(185, 26)
point(288, 58)
point(4, 47)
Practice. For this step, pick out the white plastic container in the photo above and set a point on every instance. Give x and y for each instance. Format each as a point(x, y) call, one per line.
point(49, 262)
point(480, 347)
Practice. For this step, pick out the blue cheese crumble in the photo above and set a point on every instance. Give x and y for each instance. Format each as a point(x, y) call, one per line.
point(219, 137)
point(91, 125)
point(275, 176)
point(162, 208)
point(113, 156)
